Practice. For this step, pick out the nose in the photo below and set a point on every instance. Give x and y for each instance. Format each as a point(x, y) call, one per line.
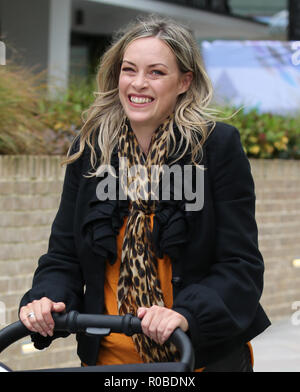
point(140, 81)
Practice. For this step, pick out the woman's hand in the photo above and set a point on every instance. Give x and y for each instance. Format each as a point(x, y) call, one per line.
point(159, 323)
point(36, 316)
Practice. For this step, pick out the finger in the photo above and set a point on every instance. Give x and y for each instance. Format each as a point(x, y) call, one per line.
point(154, 324)
point(146, 320)
point(169, 324)
point(44, 316)
point(166, 328)
point(141, 312)
point(46, 309)
point(24, 311)
point(38, 319)
point(31, 320)
point(53, 307)
point(151, 321)
point(59, 307)
point(162, 325)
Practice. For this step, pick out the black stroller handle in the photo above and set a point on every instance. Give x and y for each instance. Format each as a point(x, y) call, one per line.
point(94, 324)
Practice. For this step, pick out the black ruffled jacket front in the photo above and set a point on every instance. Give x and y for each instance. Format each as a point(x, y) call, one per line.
point(216, 264)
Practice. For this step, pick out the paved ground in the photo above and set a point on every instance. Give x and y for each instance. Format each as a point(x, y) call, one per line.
point(278, 348)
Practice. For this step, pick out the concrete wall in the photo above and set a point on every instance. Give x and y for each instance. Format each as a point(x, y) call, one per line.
point(24, 32)
point(30, 190)
point(106, 16)
point(38, 32)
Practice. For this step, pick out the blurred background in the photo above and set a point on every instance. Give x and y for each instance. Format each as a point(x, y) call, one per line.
point(49, 54)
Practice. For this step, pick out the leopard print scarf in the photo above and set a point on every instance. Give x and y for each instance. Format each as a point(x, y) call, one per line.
point(138, 283)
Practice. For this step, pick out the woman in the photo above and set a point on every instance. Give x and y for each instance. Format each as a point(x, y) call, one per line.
point(140, 251)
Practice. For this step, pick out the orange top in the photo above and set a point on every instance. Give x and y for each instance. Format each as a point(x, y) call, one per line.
point(118, 349)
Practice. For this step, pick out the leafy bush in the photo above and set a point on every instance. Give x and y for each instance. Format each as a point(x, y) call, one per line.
point(20, 120)
point(32, 123)
point(62, 117)
point(266, 135)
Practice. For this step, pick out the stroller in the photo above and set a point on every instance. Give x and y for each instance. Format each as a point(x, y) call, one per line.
point(103, 325)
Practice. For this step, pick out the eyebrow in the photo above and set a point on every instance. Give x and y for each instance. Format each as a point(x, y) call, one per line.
point(151, 65)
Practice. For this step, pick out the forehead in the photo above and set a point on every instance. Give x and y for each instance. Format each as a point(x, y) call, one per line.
point(149, 49)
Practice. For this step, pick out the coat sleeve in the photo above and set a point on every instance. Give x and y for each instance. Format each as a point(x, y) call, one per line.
point(224, 303)
point(58, 275)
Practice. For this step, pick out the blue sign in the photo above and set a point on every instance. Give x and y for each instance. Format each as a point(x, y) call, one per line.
point(260, 74)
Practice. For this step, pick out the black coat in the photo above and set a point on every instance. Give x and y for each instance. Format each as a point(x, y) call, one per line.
point(217, 267)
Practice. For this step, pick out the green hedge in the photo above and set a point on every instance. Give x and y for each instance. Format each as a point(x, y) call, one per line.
point(62, 117)
point(266, 135)
point(31, 123)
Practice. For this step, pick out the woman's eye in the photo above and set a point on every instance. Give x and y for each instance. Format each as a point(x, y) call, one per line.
point(157, 72)
point(127, 69)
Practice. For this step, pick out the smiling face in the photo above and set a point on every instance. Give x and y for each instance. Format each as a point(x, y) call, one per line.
point(150, 82)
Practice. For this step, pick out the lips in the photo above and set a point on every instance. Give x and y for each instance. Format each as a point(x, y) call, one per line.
point(140, 99)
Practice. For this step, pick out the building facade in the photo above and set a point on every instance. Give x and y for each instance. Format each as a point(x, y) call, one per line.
point(66, 37)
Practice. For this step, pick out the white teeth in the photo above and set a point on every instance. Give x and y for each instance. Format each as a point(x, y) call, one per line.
point(140, 99)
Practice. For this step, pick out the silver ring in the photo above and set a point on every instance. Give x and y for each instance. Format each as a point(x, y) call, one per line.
point(31, 314)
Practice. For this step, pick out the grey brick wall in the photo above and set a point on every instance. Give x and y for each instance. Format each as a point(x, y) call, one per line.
point(30, 189)
point(278, 218)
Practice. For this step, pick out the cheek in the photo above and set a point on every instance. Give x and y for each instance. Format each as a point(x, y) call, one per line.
point(169, 99)
point(169, 93)
point(122, 91)
point(123, 83)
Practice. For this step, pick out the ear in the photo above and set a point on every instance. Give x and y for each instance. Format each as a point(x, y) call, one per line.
point(185, 82)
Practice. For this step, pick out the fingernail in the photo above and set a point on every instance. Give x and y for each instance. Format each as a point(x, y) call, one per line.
point(44, 334)
point(50, 333)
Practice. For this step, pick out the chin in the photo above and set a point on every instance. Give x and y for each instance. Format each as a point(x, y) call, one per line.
point(140, 120)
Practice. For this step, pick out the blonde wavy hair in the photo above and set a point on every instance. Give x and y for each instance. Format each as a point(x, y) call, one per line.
point(105, 116)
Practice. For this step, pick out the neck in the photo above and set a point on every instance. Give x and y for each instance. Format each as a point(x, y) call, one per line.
point(144, 136)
